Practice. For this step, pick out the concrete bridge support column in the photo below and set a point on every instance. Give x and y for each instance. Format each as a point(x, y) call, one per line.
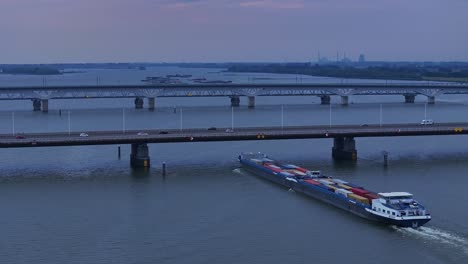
point(45, 105)
point(151, 103)
point(325, 99)
point(36, 104)
point(235, 101)
point(139, 158)
point(431, 99)
point(409, 98)
point(344, 100)
point(139, 103)
point(251, 102)
point(344, 148)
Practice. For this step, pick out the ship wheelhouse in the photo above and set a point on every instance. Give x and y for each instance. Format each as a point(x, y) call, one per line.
point(397, 204)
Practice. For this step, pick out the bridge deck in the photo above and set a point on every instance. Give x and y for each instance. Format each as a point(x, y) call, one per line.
point(239, 134)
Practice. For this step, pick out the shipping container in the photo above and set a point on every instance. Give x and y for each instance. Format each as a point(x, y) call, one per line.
point(312, 182)
point(326, 182)
point(340, 181)
point(286, 174)
point(345, 186)
point(342, 192)
point(301, 169)
point(299, 173)
point(358, 198)
point(371, 196)
point(359, 191)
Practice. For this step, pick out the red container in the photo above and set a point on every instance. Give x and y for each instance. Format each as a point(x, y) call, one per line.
point(312, 182)
point(273, 168)
point(301, 169)
point(360, 192)
point(371, 196)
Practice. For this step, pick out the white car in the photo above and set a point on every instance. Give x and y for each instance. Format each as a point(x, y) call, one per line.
point(84, 135)
point(228, 130)
point(142, 134)
point(427, 122)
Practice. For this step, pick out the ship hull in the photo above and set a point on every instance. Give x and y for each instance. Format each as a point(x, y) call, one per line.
point(331, 198)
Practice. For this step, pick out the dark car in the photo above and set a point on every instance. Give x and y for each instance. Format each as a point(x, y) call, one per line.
point(212, 128)
point(163, 132)
point(20, 137)
point(364, 125)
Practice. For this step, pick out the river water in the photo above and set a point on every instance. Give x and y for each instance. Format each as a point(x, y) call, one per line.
point(85, 205)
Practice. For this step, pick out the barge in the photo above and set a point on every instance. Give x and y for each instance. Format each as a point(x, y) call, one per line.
point(392, 208)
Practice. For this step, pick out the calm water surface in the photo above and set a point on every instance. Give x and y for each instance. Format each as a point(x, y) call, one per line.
point(85, 205)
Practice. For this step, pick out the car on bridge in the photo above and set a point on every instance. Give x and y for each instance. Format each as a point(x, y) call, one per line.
point(427, 122)
point(163, 132)
point(142, 134)
point(212, 128)
point(84, 135)
point(20, 137)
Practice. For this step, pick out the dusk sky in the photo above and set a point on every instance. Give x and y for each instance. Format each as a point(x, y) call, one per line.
point(56, 31)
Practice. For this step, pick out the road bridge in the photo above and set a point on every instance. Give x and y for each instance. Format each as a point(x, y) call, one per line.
point(40, 96)
point(344, 145)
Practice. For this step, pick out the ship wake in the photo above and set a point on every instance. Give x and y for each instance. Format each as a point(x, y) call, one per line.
point(436, 235)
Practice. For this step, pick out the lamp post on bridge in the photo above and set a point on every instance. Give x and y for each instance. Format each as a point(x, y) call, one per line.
point(380, 115)
point(181, 120)
point(425, 111)
point(232, 118)
point(13, 122)
point(282, 117)
point(69, 123)
point(123, 120)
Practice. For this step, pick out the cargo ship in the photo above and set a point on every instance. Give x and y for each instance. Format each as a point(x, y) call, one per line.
point(391, 208)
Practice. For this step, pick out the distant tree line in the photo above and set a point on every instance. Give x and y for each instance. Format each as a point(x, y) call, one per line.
point(356, 72)
point(32, 70)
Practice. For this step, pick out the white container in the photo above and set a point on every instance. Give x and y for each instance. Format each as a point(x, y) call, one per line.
point(340, 181)
point(342, 192)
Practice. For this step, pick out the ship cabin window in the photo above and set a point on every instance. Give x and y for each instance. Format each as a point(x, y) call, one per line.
point(393, 213)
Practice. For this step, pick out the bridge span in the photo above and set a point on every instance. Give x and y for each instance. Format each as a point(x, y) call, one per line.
point(40, 95)
point(344, 145)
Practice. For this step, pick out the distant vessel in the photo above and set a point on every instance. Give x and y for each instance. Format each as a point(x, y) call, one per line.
point(393, 208)
point(161, 80)
point(178, 75)
point(211, 81)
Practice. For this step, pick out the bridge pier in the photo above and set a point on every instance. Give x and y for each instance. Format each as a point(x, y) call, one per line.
point(409, 98)
point(45, 105)
point(344, 148)
point(151, 103)
point(251, 102)
point(139, 103)
point(431, 100)
point(325, 99)
point(235, 101)
point(139, 157)
point(36, 104)
point(344, 100)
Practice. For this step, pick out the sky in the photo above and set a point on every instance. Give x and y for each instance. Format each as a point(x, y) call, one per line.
point(61, 31)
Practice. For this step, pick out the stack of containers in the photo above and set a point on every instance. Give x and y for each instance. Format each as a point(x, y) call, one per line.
point(343, 192)
point(273, 167)
point(359, 194)
point(342, 184)
point(286, 174)
point(371, 196)
point(301, 169)
point(312, 182)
